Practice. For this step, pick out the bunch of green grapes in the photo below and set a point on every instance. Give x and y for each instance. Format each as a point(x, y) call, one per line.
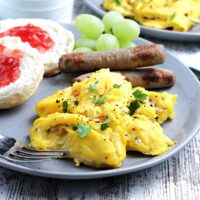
point(112, 32)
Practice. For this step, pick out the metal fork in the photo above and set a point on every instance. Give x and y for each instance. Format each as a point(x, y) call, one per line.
point(14, 151)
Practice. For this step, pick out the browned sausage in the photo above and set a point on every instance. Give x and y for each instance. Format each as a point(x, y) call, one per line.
point(150, 78)
point(121, 59)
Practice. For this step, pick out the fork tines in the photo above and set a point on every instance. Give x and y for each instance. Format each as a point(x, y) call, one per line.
point(22, 153)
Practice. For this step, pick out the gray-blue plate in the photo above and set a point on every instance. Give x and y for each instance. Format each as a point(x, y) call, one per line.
point(17, 122)
point(191, 36)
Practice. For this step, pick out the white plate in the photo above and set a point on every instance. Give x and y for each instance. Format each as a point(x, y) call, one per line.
point(17, 122)
point(191, 36)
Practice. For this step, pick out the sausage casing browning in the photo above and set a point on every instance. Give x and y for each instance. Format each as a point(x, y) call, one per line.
point(122, 59)
point(150, 78)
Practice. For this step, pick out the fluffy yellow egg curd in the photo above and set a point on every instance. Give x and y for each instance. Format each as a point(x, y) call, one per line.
point(174, 15)
point(98, 149)
point(102, 117)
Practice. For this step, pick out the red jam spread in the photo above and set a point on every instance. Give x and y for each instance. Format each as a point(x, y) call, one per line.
point(9, 65)
point(34, 35)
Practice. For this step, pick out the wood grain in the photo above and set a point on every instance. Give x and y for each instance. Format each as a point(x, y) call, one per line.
point(175, 179)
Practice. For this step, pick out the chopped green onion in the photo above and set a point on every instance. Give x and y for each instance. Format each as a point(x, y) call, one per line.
point(139, 95)
point(134, 106)
point(105, 124)
point(65, 106)
point(83, 130)
point(118, 2)
point(101, 100)
point(117, 86)
point(91, 87)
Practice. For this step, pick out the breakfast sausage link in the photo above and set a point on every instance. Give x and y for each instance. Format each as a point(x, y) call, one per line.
point(151, 78)
point(121, 59)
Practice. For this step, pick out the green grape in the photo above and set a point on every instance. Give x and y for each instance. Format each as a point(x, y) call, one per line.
point(126, 30)
point(127, 44)
point(110, 18)
point(86, 42)
point(89, 25)
point(107, 42)
point(82, 49)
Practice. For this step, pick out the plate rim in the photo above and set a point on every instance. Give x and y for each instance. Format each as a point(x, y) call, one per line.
point(144, 28)
point(117, 171)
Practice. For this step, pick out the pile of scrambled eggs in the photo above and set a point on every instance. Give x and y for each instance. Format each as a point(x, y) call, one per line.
point(172, 14)
point(102, 117)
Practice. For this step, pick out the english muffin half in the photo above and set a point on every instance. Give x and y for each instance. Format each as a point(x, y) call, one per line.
point(48, 37)
point(21, 71)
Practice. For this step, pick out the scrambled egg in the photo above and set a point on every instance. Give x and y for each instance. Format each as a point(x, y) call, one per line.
point(172, 14)
point(56, 131)
point(102, 117)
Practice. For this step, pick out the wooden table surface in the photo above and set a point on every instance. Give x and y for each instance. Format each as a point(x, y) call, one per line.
point(177, 178)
